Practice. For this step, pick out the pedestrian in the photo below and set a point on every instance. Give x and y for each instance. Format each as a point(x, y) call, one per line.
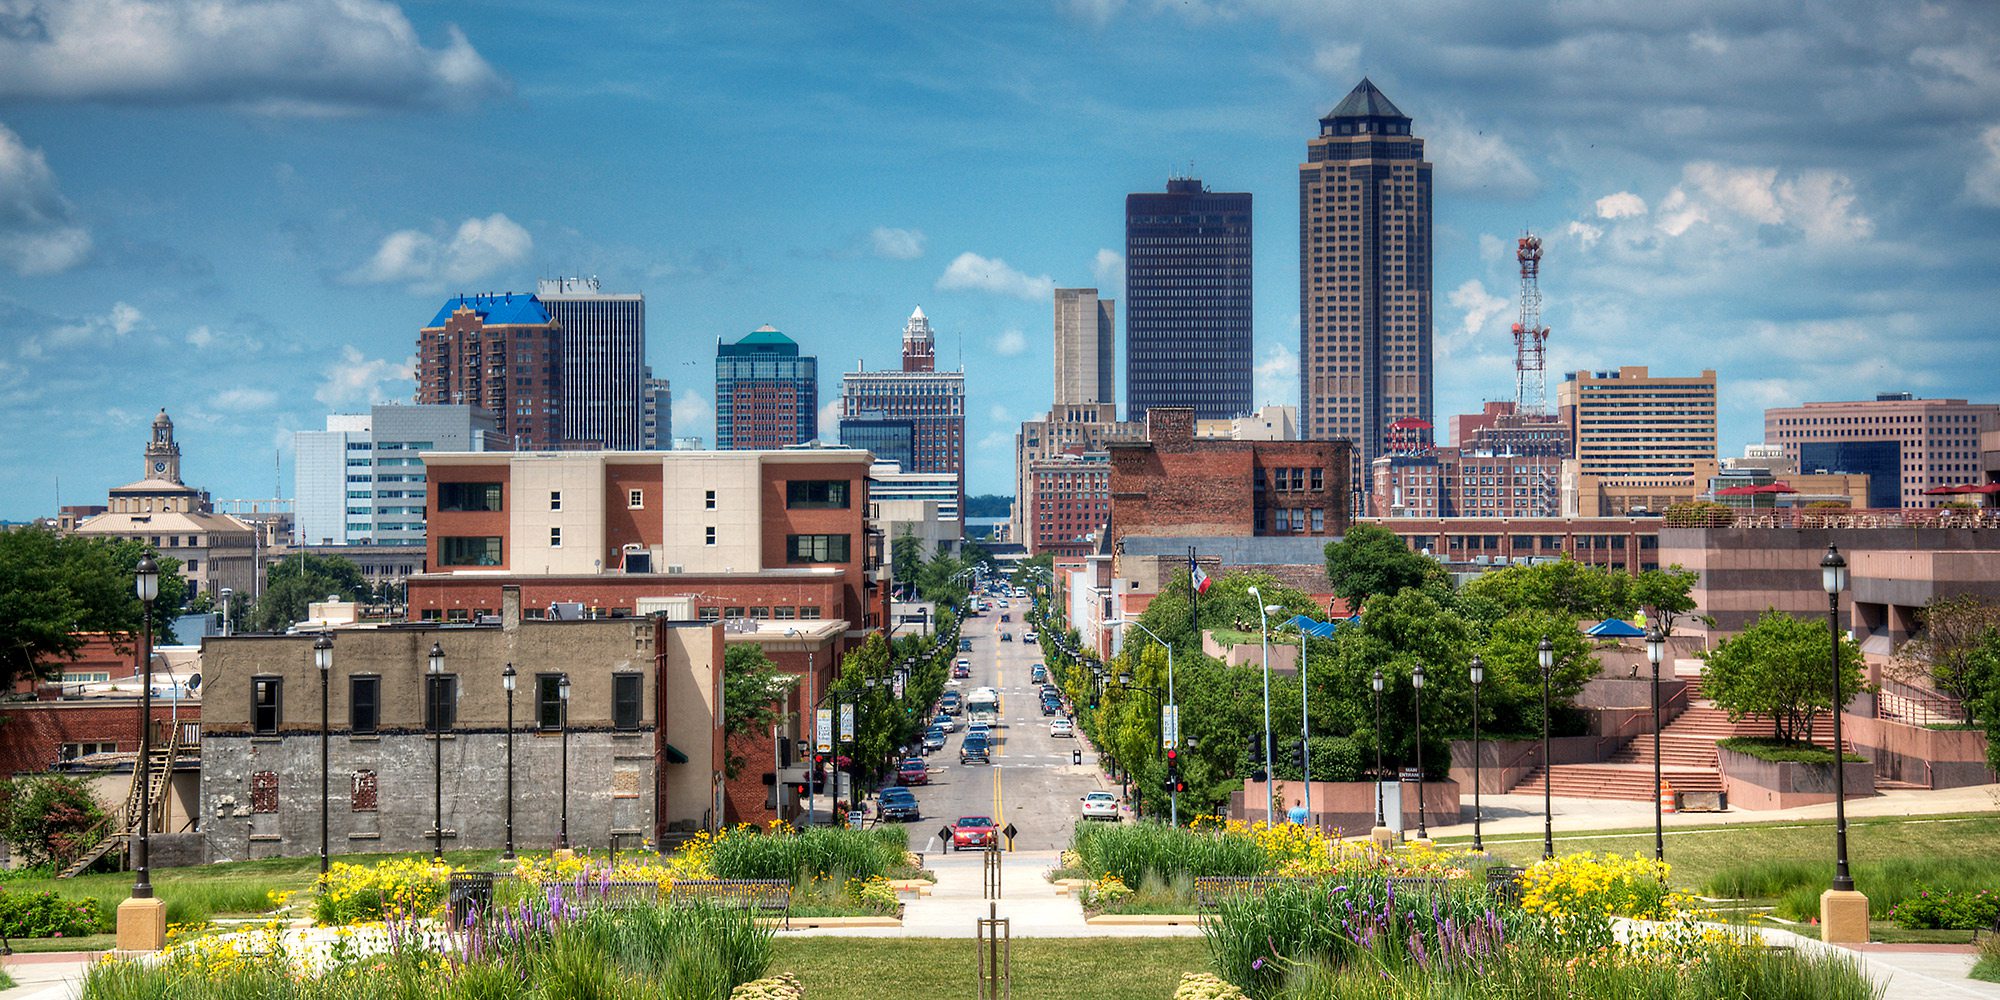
point(1297, 813)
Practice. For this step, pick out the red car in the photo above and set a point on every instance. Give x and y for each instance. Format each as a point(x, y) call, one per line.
point(972, 831)
point(913, 772)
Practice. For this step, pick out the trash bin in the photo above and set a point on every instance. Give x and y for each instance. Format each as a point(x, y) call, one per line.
point(468, 893)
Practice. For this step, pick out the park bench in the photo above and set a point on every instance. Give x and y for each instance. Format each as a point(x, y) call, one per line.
point(765, 895)
point(615, 893)
point(1211, 890)
point(1504, 881)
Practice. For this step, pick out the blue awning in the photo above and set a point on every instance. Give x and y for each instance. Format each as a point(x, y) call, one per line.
point(1615, 628)
point(1311, 627)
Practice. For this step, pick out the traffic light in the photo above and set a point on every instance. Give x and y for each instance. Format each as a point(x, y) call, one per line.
point(1299, 756)
point(1256, 748)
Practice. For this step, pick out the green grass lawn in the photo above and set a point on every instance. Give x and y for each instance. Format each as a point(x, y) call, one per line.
point(1044, 968)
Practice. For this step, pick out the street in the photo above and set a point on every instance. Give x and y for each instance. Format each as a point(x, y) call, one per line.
point(1031, 782)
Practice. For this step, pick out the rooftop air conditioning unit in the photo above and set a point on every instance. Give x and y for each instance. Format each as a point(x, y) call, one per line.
point(676, 568)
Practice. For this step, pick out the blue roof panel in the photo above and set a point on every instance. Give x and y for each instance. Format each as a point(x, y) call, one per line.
point(1615, 628)
point(504, 309)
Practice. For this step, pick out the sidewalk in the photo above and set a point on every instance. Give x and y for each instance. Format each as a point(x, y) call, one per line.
point(54, 975)
point(1521, 814)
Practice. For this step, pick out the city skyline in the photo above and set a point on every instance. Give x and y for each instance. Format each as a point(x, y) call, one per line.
point(1804, 201)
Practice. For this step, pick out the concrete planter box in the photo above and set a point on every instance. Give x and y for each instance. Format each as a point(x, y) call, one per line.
point(1504, 763)
point(1754, 783)
point(1349, 806)
point(1934, 758)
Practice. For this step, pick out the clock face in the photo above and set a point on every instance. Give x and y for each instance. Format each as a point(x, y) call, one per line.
point(159, 466)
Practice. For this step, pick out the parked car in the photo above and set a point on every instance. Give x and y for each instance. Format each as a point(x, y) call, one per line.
point(1039, 673)
point(933, 739)
point(914, 772)
point(972, 831)
point(1030, 637)
point(900, 803)
point(961, 671)
point(1050, 706)
point(951, 703)
point(974, 751)
point(1100, 805)
point(1064, 727)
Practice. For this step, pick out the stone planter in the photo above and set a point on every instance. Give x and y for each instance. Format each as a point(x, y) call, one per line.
point(1755, 783)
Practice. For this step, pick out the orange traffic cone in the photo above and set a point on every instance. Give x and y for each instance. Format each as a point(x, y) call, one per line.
point(1666, 797)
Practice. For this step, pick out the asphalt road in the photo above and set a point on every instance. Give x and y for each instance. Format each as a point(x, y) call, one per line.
point(1031, 782)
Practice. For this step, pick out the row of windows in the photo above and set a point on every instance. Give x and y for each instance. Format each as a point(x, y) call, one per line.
point(364, 701)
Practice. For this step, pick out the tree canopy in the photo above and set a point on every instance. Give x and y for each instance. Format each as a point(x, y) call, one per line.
point(55, 587)
point(1781, 667)
point(293, 583)
point(1371, 560)
point(1953, 648)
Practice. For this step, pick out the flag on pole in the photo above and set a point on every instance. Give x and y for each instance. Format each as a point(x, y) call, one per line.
point(1200, 580)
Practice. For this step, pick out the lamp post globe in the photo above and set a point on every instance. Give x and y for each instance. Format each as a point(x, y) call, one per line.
point(1833, 578)
point(1545, 656)
point(1477, 673)
point(1656, 653)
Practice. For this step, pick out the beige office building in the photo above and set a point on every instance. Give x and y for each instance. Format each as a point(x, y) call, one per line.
point(1905, 445)
point(1632, 425)
point(1086, 347)
point(1066, 428)
point(216, 551)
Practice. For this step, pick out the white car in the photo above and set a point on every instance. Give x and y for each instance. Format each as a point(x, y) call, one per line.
point(980, 729)
point(1062, 727)
point(945, 722)
point(1100, 805)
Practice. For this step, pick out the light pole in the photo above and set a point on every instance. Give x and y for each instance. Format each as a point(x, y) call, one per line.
point(507, 680)
point(1545, 654)
point(1417, 685)
point(562, 698)
point(1381, 823)
point(323, 659)
point(1833, 576)
point(1174, 800)
point(437, 748)
point(1656, 651)
point(1270, 787)
point(1305, 723)
point(1478, 678)
point(146, 581)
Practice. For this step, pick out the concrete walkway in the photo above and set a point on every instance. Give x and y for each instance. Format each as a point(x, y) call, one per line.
point(1521, 815)
point(55, 975)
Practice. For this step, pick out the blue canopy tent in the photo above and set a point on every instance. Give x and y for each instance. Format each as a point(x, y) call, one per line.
point(1308, 626)
point(1615, 628)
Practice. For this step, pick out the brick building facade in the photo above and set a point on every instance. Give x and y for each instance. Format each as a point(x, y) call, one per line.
point(501, 354)
point(1173, 483)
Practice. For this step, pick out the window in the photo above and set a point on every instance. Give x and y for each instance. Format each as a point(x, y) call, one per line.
point(265, 698)
point(808, 612)
point(480, 550)
point(710, 614)
point(760, 613)
point(816, 548)
point(1319, 482)
point(364, 792)
point(440, 702)
point(711, 499)
point(548, 701)
point(732, 613)
point(635, 499)
point(626, 691)
point(468, 497)
point(555, 500)
point(71, 751)
point(264, 792)
point(709, 539)
point(816, 494)
point(785, 614)
point(555, 538)
point(364, 704)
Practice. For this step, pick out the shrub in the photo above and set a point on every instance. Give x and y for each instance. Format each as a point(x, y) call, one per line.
point(1783, 751)
point(818, 853)
point(403, 887)
point(1988, 966)
point(780, 987)
point(50, 820)
point(47, 914)
point(1698, 514)
point(1206, 986)
point(1948, 909)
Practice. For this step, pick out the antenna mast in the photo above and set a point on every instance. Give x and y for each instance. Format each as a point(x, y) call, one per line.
point(1530, 336)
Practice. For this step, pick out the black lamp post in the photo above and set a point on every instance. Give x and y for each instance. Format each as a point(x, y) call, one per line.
point(1656, 651)
point(146, 582)
point(1417, 685)
point(1380, 822)
point(562, 698)
point(323, 659)
point(437, 751)
point(1833, 576)
point(507, 680)
point(1545, 653)
point(1478, 677)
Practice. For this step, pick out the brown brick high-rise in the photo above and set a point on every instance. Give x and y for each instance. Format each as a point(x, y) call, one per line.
point(498, 353)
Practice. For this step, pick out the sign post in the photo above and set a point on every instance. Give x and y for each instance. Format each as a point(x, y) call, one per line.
point(1170, 727)
point(823, 743)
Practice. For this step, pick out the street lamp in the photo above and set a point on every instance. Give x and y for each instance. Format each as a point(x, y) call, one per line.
point(507, 680)
point(1417, 684)
point(1545, 654)
point(1305, 723)
point(146, 582)
point(1270, 787)
point(562, 697)
point(1656, 651)
point(1833, 576)
point(1381, 824)
point(1478, 673)
point(437, 745)
point(1174, 739)
point(323, 659)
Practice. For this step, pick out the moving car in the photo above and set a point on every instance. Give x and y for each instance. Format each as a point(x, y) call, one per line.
point(965, 645)
point(913, 772)
point(933, 739)
point(1030, 637)
point(974, 751)
point(972, 831)
point(900, 803)
point(1005, 617)
point(945, 722)
point(980, 728)
point(1062, 727)
point(960, 672)
point(1006, 637)
point(1100, 805)
point(1050, 706)
point(951, 703)
point(1039, 673)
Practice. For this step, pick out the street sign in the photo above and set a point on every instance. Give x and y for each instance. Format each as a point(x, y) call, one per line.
point(825, 730)
point(944, 836)
point(1008, 831)
point(1170, 726)
point(1409, 774)
point(847, 722)
point(899, 686)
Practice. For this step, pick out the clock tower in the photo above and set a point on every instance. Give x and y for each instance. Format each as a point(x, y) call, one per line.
point(163, 456)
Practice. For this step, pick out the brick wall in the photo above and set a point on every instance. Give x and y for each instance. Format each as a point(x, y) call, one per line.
point(31, 733)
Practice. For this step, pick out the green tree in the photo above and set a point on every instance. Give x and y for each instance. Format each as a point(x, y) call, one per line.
point(49, 820)
point(906, 559)
point(752, 688)
point(1511, 701)
point(55, 587)
point(1371, 560)
point(1953, 635)
point(295, 582)
point(1780, 667)
point(1564, 588)
point(1986, 705)
point(1665, 595)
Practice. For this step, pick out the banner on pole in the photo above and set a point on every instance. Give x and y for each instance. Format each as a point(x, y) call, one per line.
point(847, 721)
point(824, 743)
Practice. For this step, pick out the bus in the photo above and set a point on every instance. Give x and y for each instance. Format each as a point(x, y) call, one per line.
point(983, 703)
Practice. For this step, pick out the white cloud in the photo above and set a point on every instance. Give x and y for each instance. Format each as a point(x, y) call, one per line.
point(1479, 305)
point(1982, 182)
point(1478, 161)
point(998, 414)
point(829, 420)
point(691, 409)
point(1586, 234)
point(94, 332)
point(897, 244)
point(200, 337)
point(969, 272)
point(1097, 12)
point(425, 262)
point(38, 234)
point(243, 400)
point(1010, 343)
point(1622, 205)
point(1819, 204)
point(310, 57)
point(1277, 376)
point(1109, 268)
point(357, 380)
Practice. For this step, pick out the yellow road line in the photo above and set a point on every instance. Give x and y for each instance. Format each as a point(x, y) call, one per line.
point(996, 798)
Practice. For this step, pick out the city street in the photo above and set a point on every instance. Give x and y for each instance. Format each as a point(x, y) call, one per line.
point(1031, 782)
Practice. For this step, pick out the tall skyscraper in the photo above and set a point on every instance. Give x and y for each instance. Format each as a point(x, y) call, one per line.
point(933, 402)
point(1086, 345)
point(603, 343)
point(500, 353)
point(656, 414)
point(766, 393)
point(1187, 301)
point(1364, 276)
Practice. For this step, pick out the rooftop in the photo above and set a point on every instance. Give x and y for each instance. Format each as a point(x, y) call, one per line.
point(1366, 101)
point(497, 309)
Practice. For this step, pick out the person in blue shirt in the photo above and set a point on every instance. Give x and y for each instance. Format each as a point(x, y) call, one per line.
point(1297, 813)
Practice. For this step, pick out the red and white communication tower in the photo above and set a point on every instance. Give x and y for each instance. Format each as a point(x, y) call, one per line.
point(1530, 336)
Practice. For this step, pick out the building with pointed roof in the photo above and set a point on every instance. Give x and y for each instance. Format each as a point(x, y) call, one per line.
point(1365, 316)
point(919, 346)
point(932, 402)
point(174, 519)
point(766, 392)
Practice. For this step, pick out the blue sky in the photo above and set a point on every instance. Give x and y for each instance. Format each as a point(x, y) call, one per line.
point(244, 211)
